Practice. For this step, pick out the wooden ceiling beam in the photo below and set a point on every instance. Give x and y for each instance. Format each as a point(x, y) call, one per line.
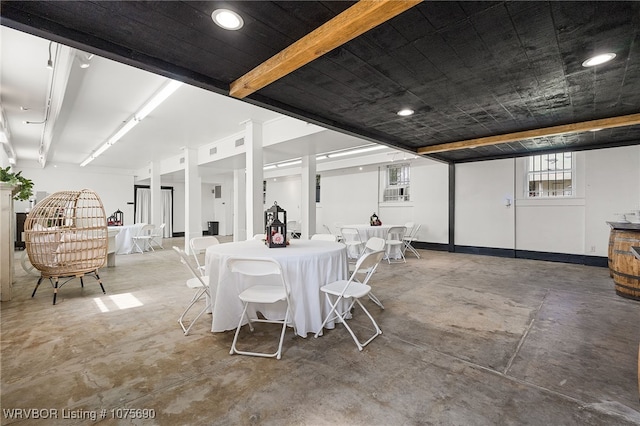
point(604, 123)
point(358, 19)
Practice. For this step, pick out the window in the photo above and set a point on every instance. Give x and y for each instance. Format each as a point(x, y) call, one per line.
point(397, 188)
point(550, 175)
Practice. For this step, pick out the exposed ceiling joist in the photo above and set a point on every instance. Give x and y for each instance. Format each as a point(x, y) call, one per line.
point(358, 19)
point(604, 123)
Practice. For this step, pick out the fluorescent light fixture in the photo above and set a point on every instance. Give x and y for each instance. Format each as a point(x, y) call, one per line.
point(289, 163)
point(321, 157)
point(153, 103)
point(157, 99)
point(123, 130)
point(101, 150)
point(595, 130)
point(269, 167)
point(405, 112)
point(227, 19)
point(356, 151)
point(598, 59)
point(87, 161)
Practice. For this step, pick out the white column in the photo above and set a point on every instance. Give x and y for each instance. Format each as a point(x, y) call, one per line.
point(255, 176)
point(239, 205)
point(156, 194)
point(193, 200)
point(308, 190)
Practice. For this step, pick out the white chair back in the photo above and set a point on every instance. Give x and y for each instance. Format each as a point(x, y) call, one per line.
point(375, 244)
point(197, 245)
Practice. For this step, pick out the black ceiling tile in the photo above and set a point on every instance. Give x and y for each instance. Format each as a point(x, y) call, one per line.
point(442, 14)
point(386, 36)
point(412, 24)
point(469, 69)
point(465, 41)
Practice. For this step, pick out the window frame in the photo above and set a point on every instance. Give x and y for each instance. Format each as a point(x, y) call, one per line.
point(403, 183)
point(533, 194)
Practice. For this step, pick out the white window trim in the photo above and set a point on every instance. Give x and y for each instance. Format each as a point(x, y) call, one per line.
point(388, 186)
point(574, 181)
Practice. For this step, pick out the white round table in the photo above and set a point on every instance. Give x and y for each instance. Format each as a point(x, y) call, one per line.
point(307, 265)
point(367, 231)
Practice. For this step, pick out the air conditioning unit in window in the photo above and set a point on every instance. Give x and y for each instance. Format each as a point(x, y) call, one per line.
point(399, 193)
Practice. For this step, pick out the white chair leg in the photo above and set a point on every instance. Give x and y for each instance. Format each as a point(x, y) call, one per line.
point(235, 337)
point(375, 300)
point(278, 353)
point(328, 317)
point(194, 299)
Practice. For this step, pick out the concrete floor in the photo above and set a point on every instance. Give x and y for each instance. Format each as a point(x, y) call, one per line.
point(468, 340)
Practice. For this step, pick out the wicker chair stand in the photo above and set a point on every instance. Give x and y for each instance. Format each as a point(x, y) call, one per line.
point(66, 238)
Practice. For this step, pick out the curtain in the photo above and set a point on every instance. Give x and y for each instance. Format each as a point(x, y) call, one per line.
point(143, 205)
point(143, 209)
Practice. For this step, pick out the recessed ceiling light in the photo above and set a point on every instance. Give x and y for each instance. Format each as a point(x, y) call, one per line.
point(405, 112)
point(598, 59)
point(227, 19)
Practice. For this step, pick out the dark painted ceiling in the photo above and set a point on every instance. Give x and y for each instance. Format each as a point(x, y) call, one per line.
point(468, 69)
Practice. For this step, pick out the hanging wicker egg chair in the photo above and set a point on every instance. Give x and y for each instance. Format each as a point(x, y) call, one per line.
point(66, 237)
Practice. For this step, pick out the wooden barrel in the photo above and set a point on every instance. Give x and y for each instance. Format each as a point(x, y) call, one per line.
point(612, 237)
point(624, 265)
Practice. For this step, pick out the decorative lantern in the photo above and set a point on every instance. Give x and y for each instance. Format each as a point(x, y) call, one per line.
point(374, 221)
point(116, 219)
point(275, 220)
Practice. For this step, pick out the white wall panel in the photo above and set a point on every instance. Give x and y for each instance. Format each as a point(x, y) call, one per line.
point(114, 189)
point(482, 219)
point(612, 185)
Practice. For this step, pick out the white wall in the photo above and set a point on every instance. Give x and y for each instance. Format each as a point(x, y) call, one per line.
point(114, 189)
point(286, 191)
point(179, 195)
point(606, 182)
point(612, 185)
point(481, 217)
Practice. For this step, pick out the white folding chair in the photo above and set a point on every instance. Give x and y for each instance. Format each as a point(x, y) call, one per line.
point(372, 244)
point(260, 294)
point(197, 282)
point(324, 237)
point(156, 236)
point(293, 229)
point(354, 290)
point(197, 245)
point(395, 243)
point(142, 241)
point(408, 240)
point(355, 245)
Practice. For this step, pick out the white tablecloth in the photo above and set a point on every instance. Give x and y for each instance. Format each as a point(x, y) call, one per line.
point(307, 265)
point(368, 231)
point(124, 243)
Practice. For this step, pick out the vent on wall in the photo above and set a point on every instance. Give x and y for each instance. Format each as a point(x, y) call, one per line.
point(239, 142)
point(181, 160)
point(213, 150)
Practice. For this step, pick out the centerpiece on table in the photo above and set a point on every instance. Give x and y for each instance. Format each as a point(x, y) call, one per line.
point(275, 220)
point(374, 220)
